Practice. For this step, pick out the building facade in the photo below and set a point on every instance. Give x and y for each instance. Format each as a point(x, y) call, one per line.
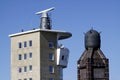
point(34, 54)
point(93, 65)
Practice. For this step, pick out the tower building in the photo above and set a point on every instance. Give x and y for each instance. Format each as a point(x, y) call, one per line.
point(36, 54)
point(93, 65)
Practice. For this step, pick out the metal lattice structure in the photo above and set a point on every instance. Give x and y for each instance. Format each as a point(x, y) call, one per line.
point(93, 65)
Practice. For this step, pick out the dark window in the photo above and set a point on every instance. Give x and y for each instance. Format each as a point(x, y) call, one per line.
point(19, 57)
point(51, 45)
point(20, 45)
point(30, 67)
point(51, 69)
point(51, 56)
point(25, 56)
point(30, 78)
point(30, 55)
point(51, 79)
point(19, 70)
point(25, 79)
point(30, 43)
point(25, 44)
point(25, 69)
point(63, 57)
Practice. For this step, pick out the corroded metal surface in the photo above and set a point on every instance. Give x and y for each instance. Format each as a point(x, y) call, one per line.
point(93, 65)
point(92, 39)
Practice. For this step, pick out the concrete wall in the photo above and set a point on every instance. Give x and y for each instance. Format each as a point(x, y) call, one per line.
point(45, 50)
point(15, 51)
point(40, 56)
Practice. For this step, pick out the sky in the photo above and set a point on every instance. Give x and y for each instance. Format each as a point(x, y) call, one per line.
point(75, 16)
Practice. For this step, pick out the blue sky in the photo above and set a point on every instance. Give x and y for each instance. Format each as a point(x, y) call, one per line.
point(75, 16)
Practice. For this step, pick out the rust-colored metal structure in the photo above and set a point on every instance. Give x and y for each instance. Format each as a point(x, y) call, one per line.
point(93, 65)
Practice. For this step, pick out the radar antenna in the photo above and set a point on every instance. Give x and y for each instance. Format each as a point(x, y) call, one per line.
point(45, 19)
point(44, 12)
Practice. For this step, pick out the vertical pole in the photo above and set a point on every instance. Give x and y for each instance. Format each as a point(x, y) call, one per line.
point(61, 73)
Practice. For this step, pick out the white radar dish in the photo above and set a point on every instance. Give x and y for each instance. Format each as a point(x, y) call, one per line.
point(44, 12)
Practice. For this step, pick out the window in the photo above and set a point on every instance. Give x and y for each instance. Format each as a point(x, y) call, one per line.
point(30, 78)
point(19, 70)
point(30, 55)
point(51, 69)
point(25, 56)
point(63, 57)
point(30, 43)
point(51, 56)
point(19, 57)
point(51, 45)
point(25, 44)
point(51, 79)
point(30, 67)
point(25, 79)
point(20, 45)
point(25, 69)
